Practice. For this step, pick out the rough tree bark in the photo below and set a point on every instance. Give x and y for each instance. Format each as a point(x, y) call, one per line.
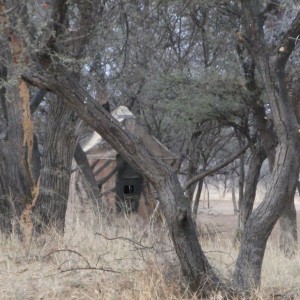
point(267, 137)
point(288, 220)
point(50, 205)
point(50, 179)
point(15, 160)
point(286, 168)
point(17, 181)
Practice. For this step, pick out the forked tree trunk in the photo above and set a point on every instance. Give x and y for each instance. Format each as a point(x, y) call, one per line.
point(266, 134)
point(50, 205)
point(263, 219)
point(286, 168)
point(288, 241)
point(288, 220)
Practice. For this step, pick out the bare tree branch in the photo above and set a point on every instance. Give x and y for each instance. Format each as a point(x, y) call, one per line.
point(89, 267)
point(216, 168)
point(140, 246)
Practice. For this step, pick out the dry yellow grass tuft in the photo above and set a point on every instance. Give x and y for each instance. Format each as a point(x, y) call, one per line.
point(122, 259)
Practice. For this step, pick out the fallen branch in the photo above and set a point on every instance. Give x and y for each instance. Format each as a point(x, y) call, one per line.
point(141, 246)
point(89, 267)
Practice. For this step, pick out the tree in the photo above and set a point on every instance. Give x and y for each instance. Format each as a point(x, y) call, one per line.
point(46, 67)
point(264, 129)
point(48, 73)
point(261, 223)
point(61, 139)
point(18, 184)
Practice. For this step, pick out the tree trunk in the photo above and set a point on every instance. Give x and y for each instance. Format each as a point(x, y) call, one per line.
point(288, 240)
point(288, 228)
point(266, 134)
point(247, 272)
point(49, 207)
point(15, 160)
point(262, 220)
point(176, 208)
point(17, 184)
point(256, 160)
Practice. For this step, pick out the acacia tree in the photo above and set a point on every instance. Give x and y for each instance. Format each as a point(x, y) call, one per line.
point(46, 71)
point(286, 166)
point(260, 223)
point(263, 126)
point(49, 71)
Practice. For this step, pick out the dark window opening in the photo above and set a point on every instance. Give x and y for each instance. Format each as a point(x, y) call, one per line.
point(128, 189)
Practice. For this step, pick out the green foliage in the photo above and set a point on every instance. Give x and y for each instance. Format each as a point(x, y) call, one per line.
point(203, 98)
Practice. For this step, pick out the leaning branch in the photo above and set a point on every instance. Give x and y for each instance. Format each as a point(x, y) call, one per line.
point(216, 168)
point(60, 81)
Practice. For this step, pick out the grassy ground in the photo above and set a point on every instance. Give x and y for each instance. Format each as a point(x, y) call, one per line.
point(126, 259)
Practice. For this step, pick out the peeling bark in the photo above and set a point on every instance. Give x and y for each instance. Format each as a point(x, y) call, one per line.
point(16, 174)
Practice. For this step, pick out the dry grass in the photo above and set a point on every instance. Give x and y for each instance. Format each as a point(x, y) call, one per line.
point(123, 259)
